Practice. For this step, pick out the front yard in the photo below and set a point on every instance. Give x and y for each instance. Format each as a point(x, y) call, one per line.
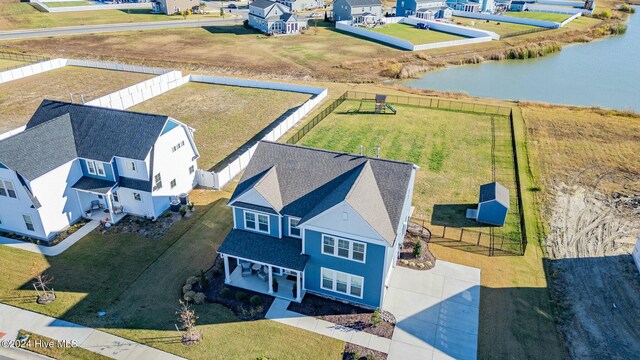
point(5, 64)
point(414, 35)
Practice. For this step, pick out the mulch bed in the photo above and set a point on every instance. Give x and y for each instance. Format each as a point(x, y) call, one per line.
point(55, 240)
point(414, 234)
point(243, 308)
point(357, 352)
point(152, 229)
point(344, 314)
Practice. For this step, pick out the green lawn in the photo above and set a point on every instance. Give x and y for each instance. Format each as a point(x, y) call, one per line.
point(414, 35)
point(500, 28)
point(137, 281)
point(4, 64)
point(453, 151)
point(538, 15)
point(68, 3)
point(57, 352)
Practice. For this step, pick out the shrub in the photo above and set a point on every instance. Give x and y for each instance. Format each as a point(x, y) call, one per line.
point(256, 300)
point(375, 317)
point(421, 265)
point(404, 262)
point(198, 298)
point(183, 211)
point(370, 357)
point(356, 355)
point(225, 292)
point(412, 264)
point(204, 282)
point(188, 296)
point(241, 296)
point(190, 206)
point(186, 288)
point(191, 280)
point(189, 12)
point(628, 9)
point(417, 248)
point(604, 14)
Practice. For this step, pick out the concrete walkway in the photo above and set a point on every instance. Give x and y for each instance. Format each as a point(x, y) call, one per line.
point(55, 249)
point(278, 312)
point(13, 319)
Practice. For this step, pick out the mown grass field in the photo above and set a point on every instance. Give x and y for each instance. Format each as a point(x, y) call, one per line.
point(57, 352)
point(500, 28)
point(137, 282)
point(4, 64)
point(69, 3)
point(414, 35)
point(20, 98)
point(453, 151)
point(16, 15)
point(225, 117)
point(538, 15)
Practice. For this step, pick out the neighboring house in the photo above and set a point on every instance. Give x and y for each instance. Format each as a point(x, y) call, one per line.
point(358, 11)
point(465, 5)
point(493, 205)
point(317, 221)
point(519, 5)
point(274, 18)
point(171, 7)
point(76, 160)
point(301, 5)
point(424, 9)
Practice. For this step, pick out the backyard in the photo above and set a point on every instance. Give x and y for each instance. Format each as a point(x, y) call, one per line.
point(137, 282)
point(225, 117)
point(453, 150)
point(20, 98)
point(414, 35)
point(538, 15)
point(5, 64)
point(500, 28)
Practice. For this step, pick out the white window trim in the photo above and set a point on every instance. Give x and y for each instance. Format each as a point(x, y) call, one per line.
point(6, 189)
point(335, 248)
point(335, 282)
point(289, 227)
point(100, 166)
point(131, 166)
point(257, 228)
point(90, 162)
point(24, 219)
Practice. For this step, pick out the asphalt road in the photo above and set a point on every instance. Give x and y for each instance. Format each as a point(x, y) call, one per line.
point(92, 29)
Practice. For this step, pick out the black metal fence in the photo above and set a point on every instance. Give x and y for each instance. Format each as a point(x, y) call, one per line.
point(23, 57)
point(316, 120)
point(524, 32)
point(516, 165)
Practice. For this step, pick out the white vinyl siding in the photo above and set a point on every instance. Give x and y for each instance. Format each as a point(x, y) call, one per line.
point(28, 222)
point(255, 221)
point(346, 249)
point(341, 282)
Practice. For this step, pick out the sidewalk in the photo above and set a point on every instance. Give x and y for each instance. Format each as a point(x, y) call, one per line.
point(13, 319)
point(278, 312)
point(55, 249)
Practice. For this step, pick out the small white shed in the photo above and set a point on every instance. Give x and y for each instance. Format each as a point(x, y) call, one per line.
point(636, 253)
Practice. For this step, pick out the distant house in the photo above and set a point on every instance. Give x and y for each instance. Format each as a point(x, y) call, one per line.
point(466, 5)
point(358, 11)
point(171, 7)
point(76, 161)
point(424, 9)
point(301, 5)
point(274, 18)
point(493, 205)
point(315, 221)
point(518, 5)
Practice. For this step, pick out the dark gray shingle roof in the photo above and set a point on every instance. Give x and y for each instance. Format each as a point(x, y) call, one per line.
point(135, 184)
point(311, 181)
point(100, 186)
point(284, 252)
point(494, 191)
point(262, 4)
point(248, 206)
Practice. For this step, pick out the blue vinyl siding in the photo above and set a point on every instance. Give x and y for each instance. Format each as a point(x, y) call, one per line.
point(170, 125)
point(492, 212)
point(160, 204)
point(108, 171)
point(372, 271)
point(273, 222)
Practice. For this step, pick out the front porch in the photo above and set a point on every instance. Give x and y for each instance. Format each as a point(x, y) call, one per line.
point(251, 281)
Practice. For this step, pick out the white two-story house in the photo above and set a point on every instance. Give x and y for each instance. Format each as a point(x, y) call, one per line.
point(76, 160)
point(271, 17)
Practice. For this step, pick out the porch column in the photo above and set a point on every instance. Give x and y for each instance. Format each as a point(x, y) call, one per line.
point(226, 269)
point(298, 287)
point(80, 203)
point(109, 206)
point(270, 269)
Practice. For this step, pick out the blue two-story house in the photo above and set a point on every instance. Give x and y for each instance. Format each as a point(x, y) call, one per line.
point(316, 221)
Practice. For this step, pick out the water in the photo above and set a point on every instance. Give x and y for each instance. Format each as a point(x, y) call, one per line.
point(604, 73)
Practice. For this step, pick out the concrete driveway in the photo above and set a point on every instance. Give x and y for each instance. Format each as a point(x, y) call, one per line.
point(436, 311)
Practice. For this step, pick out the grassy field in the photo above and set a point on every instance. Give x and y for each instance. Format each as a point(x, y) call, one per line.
point(538, 15)
point(16, 15)
point(68, 3)
point(57, 352)
point(137, 282)
point(452, 149)
point(414, 35)
point(225, 117)
point(20, 98)
point(500, 28)
point(4, 64)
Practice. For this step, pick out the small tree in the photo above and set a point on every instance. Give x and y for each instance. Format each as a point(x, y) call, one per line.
point(326, 17)
point(375, 317)
point(187, 319)
point(417, 248)
point(222, 12)
point(41, 284)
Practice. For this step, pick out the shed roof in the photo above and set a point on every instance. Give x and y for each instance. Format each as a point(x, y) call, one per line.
point(494, 191)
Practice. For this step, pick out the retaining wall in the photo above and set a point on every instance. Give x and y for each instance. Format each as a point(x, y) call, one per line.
point(32, 69)
point(507, 19)
point(126, 6)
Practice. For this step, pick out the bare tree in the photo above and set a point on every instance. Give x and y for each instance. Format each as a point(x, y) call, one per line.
point(187, 318)
point(41, 284)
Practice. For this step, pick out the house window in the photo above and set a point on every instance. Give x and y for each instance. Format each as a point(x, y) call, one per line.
point(115, 197)
point(137, 197)
point(191, 169)
point(158, 180)
point(177, 146)
point(100, 167)
point(293, 227)
point(91, 167)
point(262, 221)
point(28, 222)
point(347, 249)
point(131, 166)
point(7, 189)
point(342, 283)
point(250, 220)
point(173, 183)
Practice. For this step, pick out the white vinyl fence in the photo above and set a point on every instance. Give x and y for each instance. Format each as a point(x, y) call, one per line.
point(62, 9)
point(636, 253)
point(32, 69)
point(507, 19)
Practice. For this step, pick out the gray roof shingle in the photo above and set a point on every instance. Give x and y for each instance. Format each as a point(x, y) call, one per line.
point(285, 252)
point(311, 181)
point(135, 184)
point(364, 2)
point(99, 186)
point(262, 4)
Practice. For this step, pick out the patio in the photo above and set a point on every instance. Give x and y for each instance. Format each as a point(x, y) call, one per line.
point(254, 283)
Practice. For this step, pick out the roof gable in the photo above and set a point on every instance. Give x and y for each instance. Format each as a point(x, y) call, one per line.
point(269, 188)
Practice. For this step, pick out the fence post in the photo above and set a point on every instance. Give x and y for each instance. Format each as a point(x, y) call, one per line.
point(461, 233)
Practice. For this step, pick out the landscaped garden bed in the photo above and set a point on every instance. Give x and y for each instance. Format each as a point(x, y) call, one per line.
point(357, 352)
point(415, 253)
point(246, 304)
point(347, 315)
point(54, 241)
point(149, 228)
